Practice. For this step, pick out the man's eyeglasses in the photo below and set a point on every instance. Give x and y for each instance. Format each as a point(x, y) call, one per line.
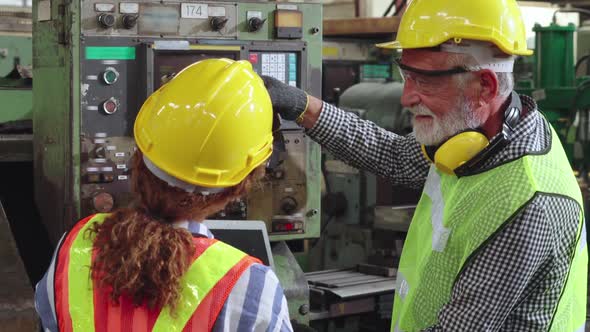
point(425, 79)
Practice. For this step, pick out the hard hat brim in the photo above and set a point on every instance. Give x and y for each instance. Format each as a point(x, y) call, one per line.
point(397, 45)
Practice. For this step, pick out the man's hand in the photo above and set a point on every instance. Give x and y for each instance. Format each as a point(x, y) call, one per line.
point(290, 102)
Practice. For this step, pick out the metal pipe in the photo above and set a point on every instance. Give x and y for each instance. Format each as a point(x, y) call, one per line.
point(570, 10)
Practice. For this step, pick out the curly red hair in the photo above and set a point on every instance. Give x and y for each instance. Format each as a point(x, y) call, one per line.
point(139, 254)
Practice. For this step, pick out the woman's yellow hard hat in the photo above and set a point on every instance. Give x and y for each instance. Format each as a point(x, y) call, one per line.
point(209, 126)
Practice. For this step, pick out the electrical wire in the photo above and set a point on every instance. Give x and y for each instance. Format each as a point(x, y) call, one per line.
point(386, 13)
point(399, 8)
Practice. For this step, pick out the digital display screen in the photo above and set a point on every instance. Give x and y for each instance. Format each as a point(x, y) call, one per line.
point(167, 63)
point(282, 66)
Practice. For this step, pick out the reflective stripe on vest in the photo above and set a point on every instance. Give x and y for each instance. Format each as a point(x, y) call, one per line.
point(212, 274)
point(456, 216)
point(440, 233)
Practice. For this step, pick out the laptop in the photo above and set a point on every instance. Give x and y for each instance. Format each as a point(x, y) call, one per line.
point(249, 236)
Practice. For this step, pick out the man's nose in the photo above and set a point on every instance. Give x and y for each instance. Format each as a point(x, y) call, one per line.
point(410, 96)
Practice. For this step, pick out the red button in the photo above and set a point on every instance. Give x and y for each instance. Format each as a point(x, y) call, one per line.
point(110, 106)
point(254, 58)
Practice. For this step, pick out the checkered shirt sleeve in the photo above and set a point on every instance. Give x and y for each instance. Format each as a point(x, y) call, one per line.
point(364, 145)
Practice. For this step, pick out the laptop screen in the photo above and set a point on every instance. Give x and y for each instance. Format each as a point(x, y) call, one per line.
point(247, 235)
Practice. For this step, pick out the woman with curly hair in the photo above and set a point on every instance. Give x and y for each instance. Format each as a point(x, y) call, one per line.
point(203, 139)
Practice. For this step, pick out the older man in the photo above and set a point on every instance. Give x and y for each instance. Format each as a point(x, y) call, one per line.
point(497, 242)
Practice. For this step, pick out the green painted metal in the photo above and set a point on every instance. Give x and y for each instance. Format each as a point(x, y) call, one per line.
point(17, 104)
point(56, 115)
point(555, 88)
point(15, 45)
point(554, 54)
point(16, 94)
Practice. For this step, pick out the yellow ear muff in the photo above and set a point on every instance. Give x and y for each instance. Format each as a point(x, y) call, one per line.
point(426, 154)
point(458, 150)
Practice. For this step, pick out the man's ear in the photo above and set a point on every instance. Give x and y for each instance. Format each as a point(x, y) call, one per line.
point(489, 86)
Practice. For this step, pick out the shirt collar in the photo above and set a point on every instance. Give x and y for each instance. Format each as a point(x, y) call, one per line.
point(196, 228)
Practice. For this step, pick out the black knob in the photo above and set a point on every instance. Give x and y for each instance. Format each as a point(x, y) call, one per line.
point(129, 21)
point(100, 152)
point(106, 20)
point(288, 205)
point(255, 23)
point(218, 22)
point(314, 30)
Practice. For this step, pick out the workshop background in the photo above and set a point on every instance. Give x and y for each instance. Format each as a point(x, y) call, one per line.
point(73, 75)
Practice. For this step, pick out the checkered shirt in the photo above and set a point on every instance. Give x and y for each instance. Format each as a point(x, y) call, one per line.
point(514, 283)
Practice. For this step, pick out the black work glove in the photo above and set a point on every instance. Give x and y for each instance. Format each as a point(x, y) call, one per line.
point(288, 101)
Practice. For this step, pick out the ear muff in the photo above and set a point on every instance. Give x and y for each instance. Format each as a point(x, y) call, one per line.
point(468, 149)
point(457, 150)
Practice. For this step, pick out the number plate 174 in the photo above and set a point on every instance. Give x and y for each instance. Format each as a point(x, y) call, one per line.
point(194, 10)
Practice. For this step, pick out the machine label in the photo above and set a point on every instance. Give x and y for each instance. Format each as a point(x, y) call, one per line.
point(121, 166)
point(129, 7)
point(287, 7)
point(104, 7)
point(216, 11)
point(110, 52)
point(122, 177)
point(120, 154)
point(44, 11)
point(194, 10)
point(251, 14)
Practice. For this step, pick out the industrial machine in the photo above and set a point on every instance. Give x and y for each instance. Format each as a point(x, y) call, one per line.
point(563, 97)
point(351, 61)
point(96, 62)
point(15, 64)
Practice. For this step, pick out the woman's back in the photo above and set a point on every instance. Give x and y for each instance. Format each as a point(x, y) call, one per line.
point(223, 290)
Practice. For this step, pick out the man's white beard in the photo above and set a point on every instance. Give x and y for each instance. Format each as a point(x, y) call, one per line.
point(437, 130)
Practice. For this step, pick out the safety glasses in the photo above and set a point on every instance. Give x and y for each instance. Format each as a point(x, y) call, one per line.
point(426, 80)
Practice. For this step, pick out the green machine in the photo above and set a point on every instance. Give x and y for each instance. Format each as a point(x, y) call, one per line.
point(561, 96)
point(96, 61)
point(15, 62)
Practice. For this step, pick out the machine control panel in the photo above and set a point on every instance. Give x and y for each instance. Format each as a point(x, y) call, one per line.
point(118, 75)
point(128, 49)
point(149, 18)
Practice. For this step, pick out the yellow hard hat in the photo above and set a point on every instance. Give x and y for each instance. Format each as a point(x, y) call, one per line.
point(429, 23)
point(209, 126)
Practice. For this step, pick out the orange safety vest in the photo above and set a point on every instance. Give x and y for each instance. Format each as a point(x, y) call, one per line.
point(205, 287)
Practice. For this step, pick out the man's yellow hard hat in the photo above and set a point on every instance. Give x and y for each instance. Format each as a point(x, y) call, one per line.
point(429, 23)
point(209, 126)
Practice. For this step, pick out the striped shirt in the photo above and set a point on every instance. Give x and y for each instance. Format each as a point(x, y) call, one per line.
point(256, 303)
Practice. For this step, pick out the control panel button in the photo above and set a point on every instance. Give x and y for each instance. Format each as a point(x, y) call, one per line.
point(108, 177)
point(103, 202)
point(288, 205)
point(93, 177)
point(217, 23)
point(100, 152)
point(106, 20)
point(110, 76)
point(255, 24)
point(129, 21)
point(110, 106)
